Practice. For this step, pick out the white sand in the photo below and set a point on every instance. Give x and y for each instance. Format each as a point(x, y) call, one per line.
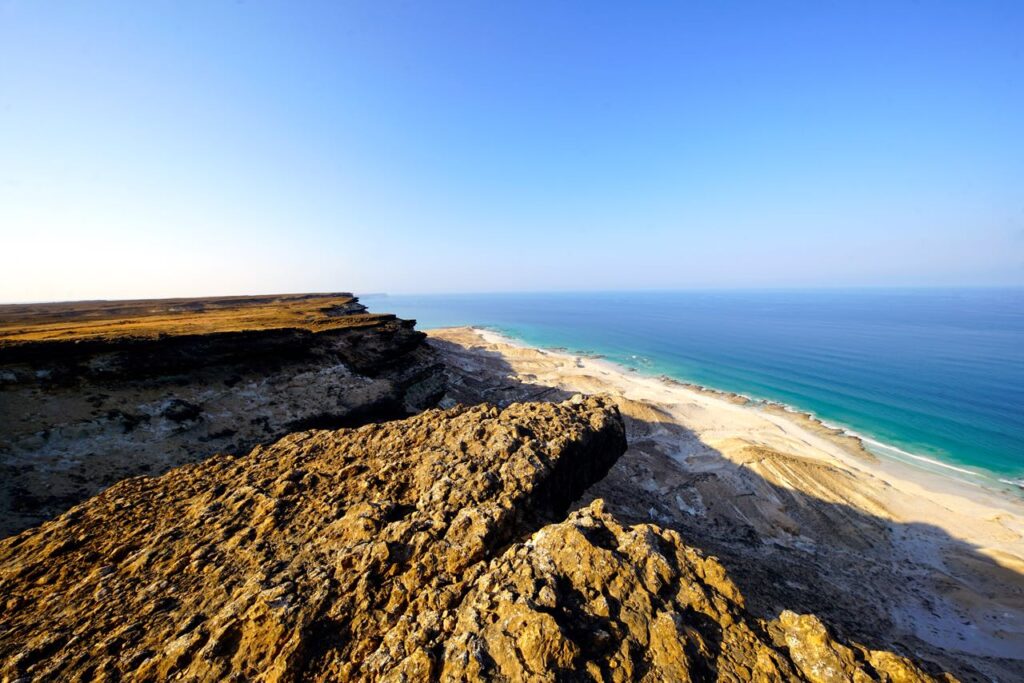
point(960, 543)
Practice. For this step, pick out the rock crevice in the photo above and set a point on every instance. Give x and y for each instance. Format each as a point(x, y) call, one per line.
point(325, 556)
point(431, 548)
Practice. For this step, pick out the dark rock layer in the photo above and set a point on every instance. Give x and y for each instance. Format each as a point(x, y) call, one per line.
point(93, 393)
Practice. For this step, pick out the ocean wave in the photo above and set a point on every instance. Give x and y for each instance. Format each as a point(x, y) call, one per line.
point(906, 454)
point(884, 449)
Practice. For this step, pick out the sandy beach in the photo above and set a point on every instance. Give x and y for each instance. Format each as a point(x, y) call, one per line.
point(802, 515)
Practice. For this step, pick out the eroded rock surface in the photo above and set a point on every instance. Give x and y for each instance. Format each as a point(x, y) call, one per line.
point(329, 555)
point(431, 548)
point(94, 392)
point(591, 599)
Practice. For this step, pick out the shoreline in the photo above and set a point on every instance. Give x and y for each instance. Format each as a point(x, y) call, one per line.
point(777, 492)
point(869, 447)
point(851, 443)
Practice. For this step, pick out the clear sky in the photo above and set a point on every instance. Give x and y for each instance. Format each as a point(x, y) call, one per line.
point(206, 147)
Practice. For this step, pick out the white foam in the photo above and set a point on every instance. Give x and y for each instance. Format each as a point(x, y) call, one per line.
point(883, 449)
point(920, 458)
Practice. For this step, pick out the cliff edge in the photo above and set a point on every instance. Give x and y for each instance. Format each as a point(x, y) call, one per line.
point(328, 555)
point(431, 548)
point(95, 392)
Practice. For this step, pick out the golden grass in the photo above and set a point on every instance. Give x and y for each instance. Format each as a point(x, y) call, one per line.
point(152, 318)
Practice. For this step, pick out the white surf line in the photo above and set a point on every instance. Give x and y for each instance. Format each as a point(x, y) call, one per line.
point(885, 450)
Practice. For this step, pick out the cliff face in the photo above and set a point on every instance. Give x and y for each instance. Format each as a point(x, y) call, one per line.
point(94, 392)
point(433, 548)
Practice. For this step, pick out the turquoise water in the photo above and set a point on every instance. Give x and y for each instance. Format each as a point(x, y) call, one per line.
point(935, 373)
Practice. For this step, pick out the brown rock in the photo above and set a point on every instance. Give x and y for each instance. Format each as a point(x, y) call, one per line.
point(327, 555)
point(432, 548)
point(590, 599)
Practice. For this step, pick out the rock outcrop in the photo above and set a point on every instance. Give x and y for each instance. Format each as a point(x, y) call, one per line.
point(432, 548)
point(591, 599)
point(94, 392)
point(329, 555)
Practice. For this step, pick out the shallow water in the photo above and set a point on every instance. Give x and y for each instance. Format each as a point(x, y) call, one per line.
point(936, 373)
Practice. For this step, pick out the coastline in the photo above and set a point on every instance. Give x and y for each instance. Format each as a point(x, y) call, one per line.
point(578, 521)
point(942, 556)
point(927, 472)
point(868, 446)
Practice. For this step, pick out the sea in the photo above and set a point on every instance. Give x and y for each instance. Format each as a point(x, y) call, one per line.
point(934, 377)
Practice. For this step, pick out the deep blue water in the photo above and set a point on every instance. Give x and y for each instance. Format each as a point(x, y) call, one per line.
point(936, 373)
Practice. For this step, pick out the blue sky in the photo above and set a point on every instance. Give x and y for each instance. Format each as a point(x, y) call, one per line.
point(189, 148)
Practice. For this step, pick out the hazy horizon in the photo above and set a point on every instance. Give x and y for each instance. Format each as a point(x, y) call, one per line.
point(189, 149)
point(853, 289)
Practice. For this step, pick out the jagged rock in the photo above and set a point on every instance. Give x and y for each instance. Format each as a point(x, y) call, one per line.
point(792, 532)
point(94, 392)
point(591, 599)
point(422, 549)
point(329, 555)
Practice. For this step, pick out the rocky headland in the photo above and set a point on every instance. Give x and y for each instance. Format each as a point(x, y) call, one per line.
point(458, 544)
point(94, 392)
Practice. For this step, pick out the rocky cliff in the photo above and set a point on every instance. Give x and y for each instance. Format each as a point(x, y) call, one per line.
point(327, 555)
point(94, 392)
point(432, 548)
